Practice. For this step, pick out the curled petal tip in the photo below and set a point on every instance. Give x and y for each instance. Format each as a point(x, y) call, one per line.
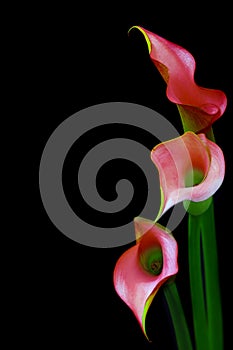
point(145, 36)
point(141, 226)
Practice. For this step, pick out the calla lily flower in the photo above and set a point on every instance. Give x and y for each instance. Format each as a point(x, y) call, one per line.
point(143, 268)
point(199, 107)
point(191, 168)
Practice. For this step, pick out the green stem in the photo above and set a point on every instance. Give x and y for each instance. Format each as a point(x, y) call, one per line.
point(196, 282)
point(178, 318)
point(212, 286)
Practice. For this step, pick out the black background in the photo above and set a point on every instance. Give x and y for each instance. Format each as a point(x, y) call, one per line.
point(79, 56)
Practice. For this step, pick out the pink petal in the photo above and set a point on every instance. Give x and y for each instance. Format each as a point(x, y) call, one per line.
point(199, 107)
point(176, 158)
point(136, 286)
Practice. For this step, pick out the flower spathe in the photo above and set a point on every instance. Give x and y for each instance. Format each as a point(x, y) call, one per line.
point(191, 167)
point(199, 107)
point(143, 268)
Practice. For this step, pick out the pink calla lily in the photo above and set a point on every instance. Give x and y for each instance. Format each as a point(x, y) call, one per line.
point(199, 107)
point(191, 167)
point(142, 269)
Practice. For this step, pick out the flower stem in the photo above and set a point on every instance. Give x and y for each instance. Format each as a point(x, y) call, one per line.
point(196, 283)
point(212, 286)
point(178, 318)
